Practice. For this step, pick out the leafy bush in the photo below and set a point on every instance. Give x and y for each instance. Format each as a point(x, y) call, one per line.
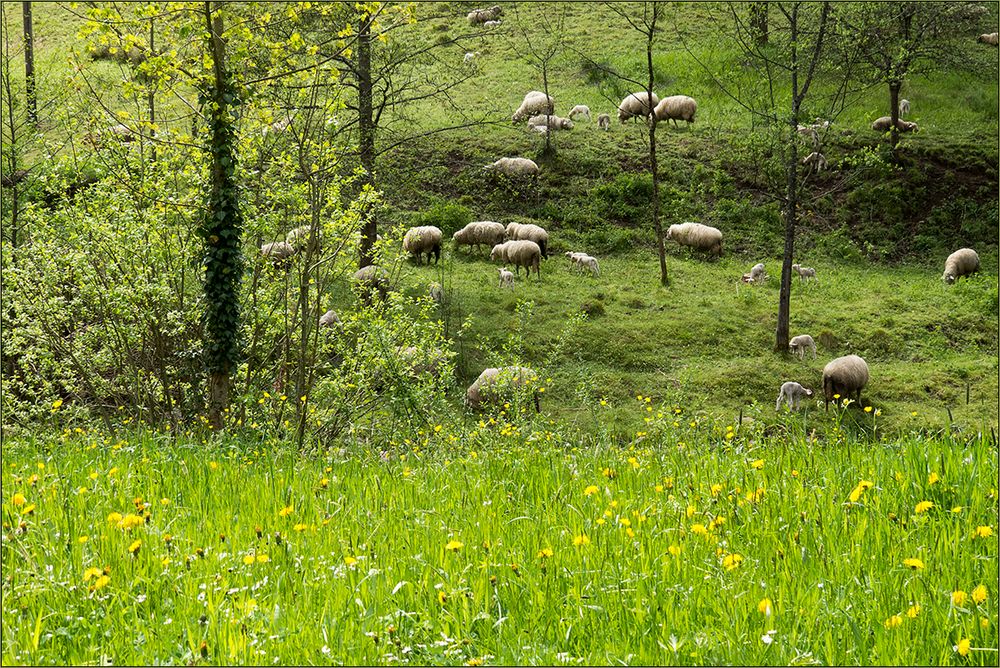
point(447, 215)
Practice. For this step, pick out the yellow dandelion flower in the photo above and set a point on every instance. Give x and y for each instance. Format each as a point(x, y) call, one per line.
point(893, 622)
point(699, 530)
point(958, 597)
point(263, 558)
point(963, 647)
point(923, 507)
point(92, 572)
point(913, 611)
point(715, 489)
point(545, 553)
point(300, 527)
point(249, 559)
point(674, 550)
point(100, 583)
point(765, 607)
point(757, 464)
point(28, 509)
point(913, 563)
point(18, 499)
point(324, 483)
point(980, 594)
point(82, 539)
point(591, 490)
point(475, 661)
point(114, 470)
point(214, 466)
point(350, 561)
point(164, 502)
point(114, 518)
point(454, 545)
point(984, 531)
point(286, 511)
point(133, 549)
point(442, 597)
point(690, 511)
point(732, 561)
point(581, 540)
point(956, 509)
point(57, 404)
point(933, 478)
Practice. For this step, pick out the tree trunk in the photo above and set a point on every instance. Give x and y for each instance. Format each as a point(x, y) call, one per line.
point(791, 193)
point(366, 127)
point(151, 96)
point(549, 151)
point(894, 87)
point(758, 22)
point(653, 168)
point(29, 63)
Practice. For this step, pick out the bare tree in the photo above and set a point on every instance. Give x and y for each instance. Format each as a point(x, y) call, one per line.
point(542, 38)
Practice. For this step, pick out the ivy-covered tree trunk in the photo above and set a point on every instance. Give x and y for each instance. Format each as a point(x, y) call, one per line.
point(758, 22)
point(29, 62)
point(366, 129)
point(221, 231)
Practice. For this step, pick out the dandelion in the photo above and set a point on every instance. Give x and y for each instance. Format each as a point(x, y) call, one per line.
point(100, 583)
point(591, 490)
point(732, 561)
point(984, 531)
point(923, 507)
point(248, 559)
point(263, 558)
point(913, 611)
point(324, 483)
point(286, 511)
point(691, 510)
point(715, 489)
point(19, 499)
point(581, 540)
point(765, 607)
point(454, 545)
point(868, 409)
point(133, 549)
point(28, 509)
point(82, 539)
point(130, 521)
point(300, 527)
point(545, 553)
point(963, 647)
point(92, 572)
point(913, 564)
point(475, 661)
point(893, 622)
point(699, 530)
point(956, 510)
point(214, 466)
point(933, 478)
point(57, 404)
point(114, 470)
point(980, 594)
point(958, 597)
point(350, 561)
point(674, 550)
point(757, 464)
point(862, 487)
point(442, 597)
point(114, 518)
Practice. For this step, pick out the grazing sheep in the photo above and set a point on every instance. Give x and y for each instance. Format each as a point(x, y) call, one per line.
point(580, 110)
point(792, 393)
point(534, 103)
point(990, 38)
point(417, 362)
point(540, 129)
point(435, 292)
point(815, 161)
point(589, 262)
point(675, 108)
point(637, 105)
point(423, 239)
point(802, 343)
point(329, 319)
point(697, 236)
point(506, 278)
point(470, 56)
point(604, 122)
point(805, 273)
point(480, 233)
point(522, 231)
point(525, 254)
point(277, 250)
point(482, 16)
point(757, 273)
point(492, 24)
point(962, 262)
point(514, 167)
point(843, 377)
point(299, 239)
point(372, 277)
point(574, 259)
point(885, 122)
point(550, 121)
point(904, 108)
point(495, 384)
point(810, 133)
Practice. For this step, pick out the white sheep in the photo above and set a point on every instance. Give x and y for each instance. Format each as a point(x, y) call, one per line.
point(529, 232)
point(550, 121)
point(604, 122)
point(843, 377)
point(815, 161)
point(757, 273)
point(589, 262)
point(514, 167)
point(636, 105)
point(580, 110)
point(416, 362)
point(494, 384)
point(904, 108)
point(300, 237)
point(477, 16)
point(810, 133)
point(962, 262)
point(540, 129)
point(697, 236)
point(574, 259)
point(329, 319)
point(470, 56)
point(676, 108)
point(534, 103)
point(482, 233)
point(792, 393)
point(805, 273)
point(492, 24)
point(506, 278)
point(435, 292)
point(885, 122)
point(525, 254)
point(801, 344)
point(989, 38)
point(423, 239)
point(277, 250)
point(372, 277)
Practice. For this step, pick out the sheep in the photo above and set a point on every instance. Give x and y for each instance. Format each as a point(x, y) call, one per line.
point(792, 393)
point(810, 133)
point(423, 239)
point(299, 239)
point(484, 15)
point(121, 132)
point(506, 278)
point(435, 292)
point(514, 167)
point(493, 383)
point(329, 319)
point(372, 276)
point(534, 103)
point(604, 122)
point(990, 38)
point(480, 233)
point(522, 231)
point(676, 107)
point(492, 24)
point(574, 258)
point(521, 253)
point(580, 110)
point(550, 121)
point(470, 56)
point(697, 236)
point(885, 122)
point(417, 362)
point(636, 105)
point(277, 250)
point(904, 108)
point(802, 343)
point(815, 161)
point(757, 273)
point(589, 262)
point(962, 262)
point(843, 377)
point(280, 125)
point(805, 273)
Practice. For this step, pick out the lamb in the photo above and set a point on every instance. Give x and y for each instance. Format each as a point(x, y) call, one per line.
point(299, 239)
point(962, 262)
point(477, 16)
point(758, 273)
point(492, 24)
point(481, 233)
point(506, 278)
point(805, 273)
point(698, 236)
point(551, 122)
point(277, 250)
point(815, 161)
point(636, 105)
point(522, 231)
point(885, 122)
point(604, 122)
point(990, 38)
point(494, 383)
point(676, 107)
point(514, 167)
point(904, 108)
point(329, 319)
point(589, 262)
point(524, 253)
point(810, 133)
point(802, 343)
point(580, 110)
point(423, 239)
point(435, 292)
point(534, 103)
point(470, 56)
point(792, 393)
point(372, 277)
point(574, 258)
point(843, 377)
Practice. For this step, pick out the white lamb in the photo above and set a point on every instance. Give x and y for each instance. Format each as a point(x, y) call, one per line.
point(990, 38)
point(580, 110)
point(604, 122)
point(637, 105)
point(810, 133)
point(805, 273)
point(514, 167)
point(506, 278)
point(550, 121)
point(815, 161)
point(904, 108)
point(470, 56)
point(589, 262)
point(801, 344)
point(676, 108)
point(492, 24)
point(792, 393)
point(535, 102)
